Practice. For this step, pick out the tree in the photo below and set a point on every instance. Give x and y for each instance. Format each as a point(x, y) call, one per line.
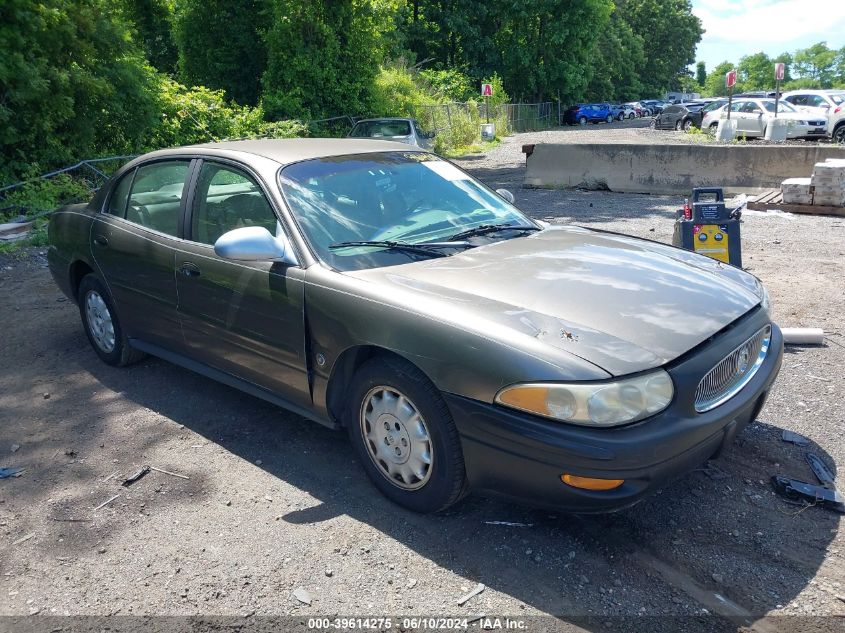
point(153, 20)
point(221, 46)
point(700, 74)
point(715, 84)
point(72, 84)
point(670, 33)
point(617, 60)
point(816, 64)
point(323, 56)
point(755, 72)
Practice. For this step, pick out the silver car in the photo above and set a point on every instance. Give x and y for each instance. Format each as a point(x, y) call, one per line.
point(406, 131)
point(753, 116)
point(380, 289)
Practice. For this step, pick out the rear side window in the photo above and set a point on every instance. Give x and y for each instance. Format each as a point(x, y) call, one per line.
point(120, 194)
point(156, 197)
point(375, 129)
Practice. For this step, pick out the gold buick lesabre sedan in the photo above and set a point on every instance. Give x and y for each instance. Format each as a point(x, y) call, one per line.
point(369, 286)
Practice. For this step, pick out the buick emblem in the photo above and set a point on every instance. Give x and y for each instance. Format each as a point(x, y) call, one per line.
point(742, 361)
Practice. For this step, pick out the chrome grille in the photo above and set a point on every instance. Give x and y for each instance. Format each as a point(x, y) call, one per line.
point(733, 372)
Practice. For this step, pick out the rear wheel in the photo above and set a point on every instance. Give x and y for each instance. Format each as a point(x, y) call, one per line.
point(621, 116)
point(839, 133)
point(687, 125)
point(630, 115)
point(101, 324)
point(582, 120)
point(609, 118)
point(678, 125)
point(404, 436)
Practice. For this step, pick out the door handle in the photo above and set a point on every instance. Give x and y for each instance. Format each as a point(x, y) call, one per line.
point(100, 240)
point(190, 270)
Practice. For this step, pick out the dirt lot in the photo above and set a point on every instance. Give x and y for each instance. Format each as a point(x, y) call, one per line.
point(273, 503)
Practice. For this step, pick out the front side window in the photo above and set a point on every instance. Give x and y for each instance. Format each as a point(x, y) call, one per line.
point(156, 198)
point(408, 197)
point(737, 106)
point(225, 199)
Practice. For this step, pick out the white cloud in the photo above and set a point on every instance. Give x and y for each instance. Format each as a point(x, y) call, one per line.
point(762, 22)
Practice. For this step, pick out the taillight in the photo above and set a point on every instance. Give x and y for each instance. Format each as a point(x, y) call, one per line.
point(838, 110)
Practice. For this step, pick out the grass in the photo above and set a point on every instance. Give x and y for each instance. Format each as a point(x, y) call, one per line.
point(475, 148)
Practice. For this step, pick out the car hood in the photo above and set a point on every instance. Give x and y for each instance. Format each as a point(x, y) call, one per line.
point(621, 303)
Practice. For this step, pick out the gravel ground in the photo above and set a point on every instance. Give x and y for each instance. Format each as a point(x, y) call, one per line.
point(273, 503)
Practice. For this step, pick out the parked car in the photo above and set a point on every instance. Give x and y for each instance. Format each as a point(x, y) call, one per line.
point(754, 115)
point(677, 117)
point(588, 113)
point(836, 124)
point(372, 287)
point(818, 102)
point(393, 129)
point(697, 116)
point(636, 107)
point(627, 111)
point(654, 106)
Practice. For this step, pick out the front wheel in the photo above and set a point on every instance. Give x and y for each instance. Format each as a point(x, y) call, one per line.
point(101, 324)
point(687, 125)
point(678, 125)
point(404, 436)
point(583, 120)
point(712, 128)
point(609, 118)
point(630, 115)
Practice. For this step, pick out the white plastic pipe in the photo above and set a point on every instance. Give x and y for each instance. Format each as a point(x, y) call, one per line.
point(802, 335)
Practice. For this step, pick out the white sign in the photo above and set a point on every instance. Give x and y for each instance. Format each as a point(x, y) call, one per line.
point(780, 71)
point(486, 90)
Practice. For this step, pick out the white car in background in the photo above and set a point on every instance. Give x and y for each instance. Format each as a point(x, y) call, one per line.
point(818, 102)
point(836, 124)
point(753, 116)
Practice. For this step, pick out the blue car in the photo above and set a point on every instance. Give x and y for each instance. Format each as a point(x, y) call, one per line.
point(589, 112)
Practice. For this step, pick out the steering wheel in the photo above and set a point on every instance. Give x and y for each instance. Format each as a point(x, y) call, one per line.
point(142, 213)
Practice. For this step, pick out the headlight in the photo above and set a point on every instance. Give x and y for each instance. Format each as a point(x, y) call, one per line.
point(764, 295)
point(593, 404)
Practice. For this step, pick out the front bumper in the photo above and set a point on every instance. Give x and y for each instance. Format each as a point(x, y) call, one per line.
point(523, 456)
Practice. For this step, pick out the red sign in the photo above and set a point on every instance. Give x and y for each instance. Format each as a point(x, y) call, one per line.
point(730, 79)
point(780, 71)
point(486, 90)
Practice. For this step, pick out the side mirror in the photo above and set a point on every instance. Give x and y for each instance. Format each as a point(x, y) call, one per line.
point(506, 195)
point(431, 134)
point(253, 244)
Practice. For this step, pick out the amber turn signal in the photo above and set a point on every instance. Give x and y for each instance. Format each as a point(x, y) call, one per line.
point(589, 483)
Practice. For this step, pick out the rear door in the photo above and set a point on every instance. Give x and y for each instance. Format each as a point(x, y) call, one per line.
point(134, 245)
point(244, 318)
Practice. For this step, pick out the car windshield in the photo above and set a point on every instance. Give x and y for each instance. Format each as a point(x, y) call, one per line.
point(370, 129)
point(713, 105)
point(402, 197)
point(782, 106)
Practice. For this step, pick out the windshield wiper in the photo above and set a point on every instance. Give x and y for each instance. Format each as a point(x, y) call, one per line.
point(484, 229)
point(423, 249)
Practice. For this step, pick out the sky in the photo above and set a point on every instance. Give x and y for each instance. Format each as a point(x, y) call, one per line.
point(742, 27)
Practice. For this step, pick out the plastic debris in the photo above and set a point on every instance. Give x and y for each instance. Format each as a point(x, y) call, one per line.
point(133, 478)
point(794, 438)
point(11, 472)
point(476, 590)
point(167, 472)
point(105, 503)
point(302, 595)
point(803, 335)
point(24, 539)
point(826, 495)
point(509, 523)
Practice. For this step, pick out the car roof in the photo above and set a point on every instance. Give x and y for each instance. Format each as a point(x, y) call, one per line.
point(384, 118)
point(285, 151)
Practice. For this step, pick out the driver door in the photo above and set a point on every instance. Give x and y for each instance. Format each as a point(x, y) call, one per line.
point(243, 318)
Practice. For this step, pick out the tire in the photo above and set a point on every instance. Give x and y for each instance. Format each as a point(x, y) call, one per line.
point(102, 327)
point(609, 118)
point(621, 117)
point(678, 125)
point(839, 133)
point(631, 115)
point(582, 120)
point(712, 128)
point(653, 124)
point(378, 385)
point(687, 125)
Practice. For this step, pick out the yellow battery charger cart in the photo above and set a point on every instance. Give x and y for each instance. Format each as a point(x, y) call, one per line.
point(709, 228)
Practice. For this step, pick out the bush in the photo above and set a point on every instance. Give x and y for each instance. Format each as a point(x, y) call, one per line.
point(39, 195)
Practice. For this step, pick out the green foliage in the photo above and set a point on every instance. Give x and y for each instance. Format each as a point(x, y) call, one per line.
point(700, 74)
point(221, 46)
point(396, 92)
point(670, 32)
point(816, 63)
point(153, 21)
point(715, 84)
point(755, 72)
point(323, 57)
point(39, 195)
point(619, 55)
point(449, 85)
point(72, 83)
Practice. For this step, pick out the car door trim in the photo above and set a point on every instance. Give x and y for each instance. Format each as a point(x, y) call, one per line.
point(230, 380)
